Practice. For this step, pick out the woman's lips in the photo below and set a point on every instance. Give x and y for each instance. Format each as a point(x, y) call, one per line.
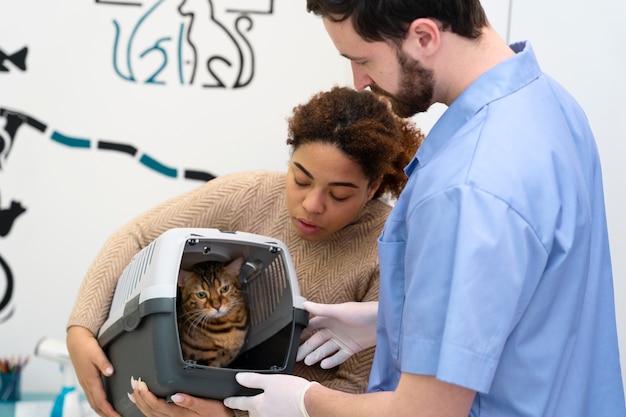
point(307, 227)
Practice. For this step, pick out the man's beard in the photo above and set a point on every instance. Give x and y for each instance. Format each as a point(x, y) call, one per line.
point(416, 88)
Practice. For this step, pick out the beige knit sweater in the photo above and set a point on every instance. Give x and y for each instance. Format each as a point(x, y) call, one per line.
point(339, 269)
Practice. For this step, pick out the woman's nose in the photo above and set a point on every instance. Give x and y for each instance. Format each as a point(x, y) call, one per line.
point(313, 202)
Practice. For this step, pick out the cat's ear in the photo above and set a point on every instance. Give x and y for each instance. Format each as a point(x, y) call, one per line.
point(183, 276)
point(234, 266)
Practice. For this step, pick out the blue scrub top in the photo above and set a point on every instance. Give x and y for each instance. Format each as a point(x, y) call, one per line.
point(495, 265)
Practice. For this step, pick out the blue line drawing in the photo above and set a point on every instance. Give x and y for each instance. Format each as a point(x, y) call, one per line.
point(199, 42)
point(157, 166)
point(70, 141)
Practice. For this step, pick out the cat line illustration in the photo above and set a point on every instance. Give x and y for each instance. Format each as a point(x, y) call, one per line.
point(221, 57)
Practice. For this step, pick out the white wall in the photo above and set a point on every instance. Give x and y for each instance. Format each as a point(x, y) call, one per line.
point(581, 44)
point(76, 197)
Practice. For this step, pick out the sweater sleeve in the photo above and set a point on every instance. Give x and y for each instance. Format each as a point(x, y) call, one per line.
point(204, 206)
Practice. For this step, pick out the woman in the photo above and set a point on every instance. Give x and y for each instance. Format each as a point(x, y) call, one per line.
point(347, 151)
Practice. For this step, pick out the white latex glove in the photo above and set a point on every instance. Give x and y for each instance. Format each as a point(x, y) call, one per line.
point(337, 332)
point(282, 396)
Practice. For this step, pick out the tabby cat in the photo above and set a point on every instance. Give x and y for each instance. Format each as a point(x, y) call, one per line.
point(212, 312)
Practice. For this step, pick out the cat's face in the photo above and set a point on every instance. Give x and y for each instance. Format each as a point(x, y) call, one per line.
point(211, 291)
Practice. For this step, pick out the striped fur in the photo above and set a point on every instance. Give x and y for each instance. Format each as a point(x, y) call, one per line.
point(212, 313)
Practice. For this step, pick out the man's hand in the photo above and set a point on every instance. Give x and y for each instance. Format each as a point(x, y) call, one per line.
point(337, 332)
point(282, 396)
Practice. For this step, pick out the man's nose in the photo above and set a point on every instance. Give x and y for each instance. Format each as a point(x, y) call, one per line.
point(360, 78)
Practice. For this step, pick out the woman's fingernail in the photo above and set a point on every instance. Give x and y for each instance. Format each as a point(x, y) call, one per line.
point(177, 398)
point(133, 384)
point(130, 397)
point(108, 371)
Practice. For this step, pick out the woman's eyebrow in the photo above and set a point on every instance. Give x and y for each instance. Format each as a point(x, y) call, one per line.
point(335, 184)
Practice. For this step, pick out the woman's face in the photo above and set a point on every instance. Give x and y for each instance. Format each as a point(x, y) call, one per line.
point(325, 190)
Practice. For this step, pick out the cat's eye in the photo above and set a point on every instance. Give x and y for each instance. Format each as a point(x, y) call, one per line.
point(201, 294)
point(224, 288)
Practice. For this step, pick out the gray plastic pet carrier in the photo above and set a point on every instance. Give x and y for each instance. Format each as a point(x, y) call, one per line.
point(140, 336)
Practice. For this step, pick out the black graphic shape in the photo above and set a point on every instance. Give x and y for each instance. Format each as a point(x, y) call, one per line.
point(14, 121)
point(8, 291)
point(199, 175)
point(270, 9)
point(8, 216)
point(204, 31)
point(40, 126)
point(248, 49)
point(18, 59)
point(119, 3)
point(129, 149)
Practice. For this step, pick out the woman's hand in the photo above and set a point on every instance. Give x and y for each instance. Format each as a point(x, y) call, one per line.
point(183, 405)
point(89, 362)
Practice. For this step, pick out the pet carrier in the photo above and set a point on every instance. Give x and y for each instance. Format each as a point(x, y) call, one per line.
point(140, 336)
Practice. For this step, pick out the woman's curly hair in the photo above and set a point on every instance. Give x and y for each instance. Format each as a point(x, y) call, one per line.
point(363, 126)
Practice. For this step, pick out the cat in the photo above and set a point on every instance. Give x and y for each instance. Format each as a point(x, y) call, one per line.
point(212, 313)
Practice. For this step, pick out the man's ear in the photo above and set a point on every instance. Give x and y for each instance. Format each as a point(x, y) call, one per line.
point(423, 39)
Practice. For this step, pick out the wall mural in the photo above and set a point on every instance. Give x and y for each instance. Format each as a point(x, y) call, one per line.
point(201, 43)
point(18, 59)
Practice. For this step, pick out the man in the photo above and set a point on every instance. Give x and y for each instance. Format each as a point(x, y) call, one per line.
point(496, 286)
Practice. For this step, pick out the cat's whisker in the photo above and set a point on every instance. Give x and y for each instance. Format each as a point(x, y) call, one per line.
point(204, 329)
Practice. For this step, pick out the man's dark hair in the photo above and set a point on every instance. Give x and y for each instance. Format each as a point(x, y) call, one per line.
point(377, 20)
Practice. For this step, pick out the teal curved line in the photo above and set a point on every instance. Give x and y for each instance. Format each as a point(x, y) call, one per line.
point(145, 159)
point(157, 166)
point(116, 41)
point(131, 39)
point(70, 141)
point(180, 54)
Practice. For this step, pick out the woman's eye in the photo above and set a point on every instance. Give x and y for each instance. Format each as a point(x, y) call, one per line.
point(340, 199)
point(300, 183)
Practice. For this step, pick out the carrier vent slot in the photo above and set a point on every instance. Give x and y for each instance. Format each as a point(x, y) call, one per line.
point(132, 276)
point(266, 290)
